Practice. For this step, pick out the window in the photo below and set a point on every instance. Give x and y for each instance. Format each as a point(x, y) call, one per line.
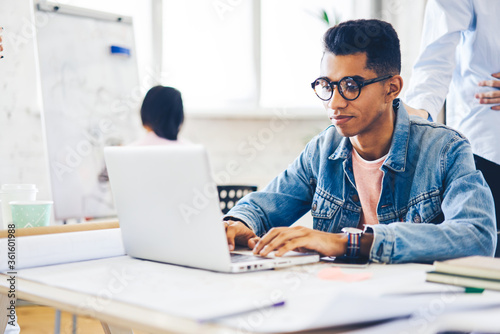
point(208, 53)
point(241, 56)
point(292, 46)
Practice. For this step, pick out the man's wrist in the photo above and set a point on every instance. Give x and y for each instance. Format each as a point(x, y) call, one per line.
point(343, 241)
point(234, 219)
point(366, 244)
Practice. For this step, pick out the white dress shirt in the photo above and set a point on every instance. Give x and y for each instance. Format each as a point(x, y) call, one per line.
point(460, 47)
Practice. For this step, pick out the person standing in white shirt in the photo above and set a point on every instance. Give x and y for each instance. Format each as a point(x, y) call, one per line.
point(460, 62)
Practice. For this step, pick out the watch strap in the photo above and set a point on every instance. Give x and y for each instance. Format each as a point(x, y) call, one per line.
point(353, 244)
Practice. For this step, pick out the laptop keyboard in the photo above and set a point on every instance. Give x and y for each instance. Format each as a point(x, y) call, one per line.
point(235, 258)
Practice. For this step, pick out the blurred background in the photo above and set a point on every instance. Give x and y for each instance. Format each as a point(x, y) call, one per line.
point(244, 69)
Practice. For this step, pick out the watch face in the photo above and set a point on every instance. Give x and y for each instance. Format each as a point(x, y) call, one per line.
point(352, 230)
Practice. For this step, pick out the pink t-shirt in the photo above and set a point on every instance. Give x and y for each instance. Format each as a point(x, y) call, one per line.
point(368, 177)
point(152, 139)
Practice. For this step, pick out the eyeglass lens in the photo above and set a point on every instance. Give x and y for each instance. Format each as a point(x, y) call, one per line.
point(348, 88)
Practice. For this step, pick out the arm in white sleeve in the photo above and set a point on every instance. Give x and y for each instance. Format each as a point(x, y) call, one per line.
point(444, 22)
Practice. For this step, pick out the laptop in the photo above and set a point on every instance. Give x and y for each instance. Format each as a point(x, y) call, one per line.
point(169, 210)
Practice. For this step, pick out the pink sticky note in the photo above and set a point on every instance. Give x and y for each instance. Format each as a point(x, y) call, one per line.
point(336, 274)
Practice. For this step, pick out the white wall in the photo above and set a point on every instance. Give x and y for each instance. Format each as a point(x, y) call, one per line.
point(22, 149)
point(23, 157)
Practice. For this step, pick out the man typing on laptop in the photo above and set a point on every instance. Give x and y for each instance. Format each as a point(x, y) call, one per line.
point(378, 183)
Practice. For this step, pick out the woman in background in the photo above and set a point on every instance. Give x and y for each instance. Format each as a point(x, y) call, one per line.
point(162, 115)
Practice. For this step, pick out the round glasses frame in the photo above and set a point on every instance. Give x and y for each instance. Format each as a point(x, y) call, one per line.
point(342, 82)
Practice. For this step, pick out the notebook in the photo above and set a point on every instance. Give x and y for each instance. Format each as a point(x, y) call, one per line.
point(474, 266)
point(168, 208)
point(479, 272)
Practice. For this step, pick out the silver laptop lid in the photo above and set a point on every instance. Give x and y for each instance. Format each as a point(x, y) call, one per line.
point(168, 205)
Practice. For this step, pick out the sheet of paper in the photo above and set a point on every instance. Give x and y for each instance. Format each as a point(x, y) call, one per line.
point(326, 310)
point(192, 293)
point(49, 249)
point(309, 301)
point(436, 320)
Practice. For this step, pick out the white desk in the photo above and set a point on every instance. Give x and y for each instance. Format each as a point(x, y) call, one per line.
point(115, 313)
point(153, 304)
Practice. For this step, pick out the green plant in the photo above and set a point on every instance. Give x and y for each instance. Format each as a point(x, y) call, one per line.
point(330, 19)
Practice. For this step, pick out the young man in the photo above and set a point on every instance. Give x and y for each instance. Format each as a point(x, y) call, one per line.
point(412, 183)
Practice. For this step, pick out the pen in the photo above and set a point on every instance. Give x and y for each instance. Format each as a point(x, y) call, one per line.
point(216, 318)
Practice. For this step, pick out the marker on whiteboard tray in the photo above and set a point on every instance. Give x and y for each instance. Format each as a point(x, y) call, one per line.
point(118, 50)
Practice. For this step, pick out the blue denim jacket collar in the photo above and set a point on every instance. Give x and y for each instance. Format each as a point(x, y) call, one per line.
point(396, 159)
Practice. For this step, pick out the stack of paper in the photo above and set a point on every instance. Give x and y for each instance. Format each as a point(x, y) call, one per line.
point(49, 249)
point(475, 272)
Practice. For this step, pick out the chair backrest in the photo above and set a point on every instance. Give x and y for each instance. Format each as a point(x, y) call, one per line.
point(230, 194)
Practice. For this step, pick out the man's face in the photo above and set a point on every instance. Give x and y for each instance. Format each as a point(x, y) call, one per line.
point(367, 113)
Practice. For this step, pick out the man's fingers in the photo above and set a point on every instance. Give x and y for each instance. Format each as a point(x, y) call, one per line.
point(490, 83)
point(252, 242)
point(230, 234)
point(274, 238)
point(494, 94)
point(489, 100)
point(496, 75)
point(291, 245)
point(265, 240)
point(230, 240)
point(237, 233)
point(282, 236)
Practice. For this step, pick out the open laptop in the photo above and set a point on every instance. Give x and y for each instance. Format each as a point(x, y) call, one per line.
point(168, 207)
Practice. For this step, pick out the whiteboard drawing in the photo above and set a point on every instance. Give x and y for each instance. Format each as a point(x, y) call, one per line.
point(89, 101)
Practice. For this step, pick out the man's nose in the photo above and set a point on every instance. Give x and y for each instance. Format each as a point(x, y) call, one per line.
point(337, 101)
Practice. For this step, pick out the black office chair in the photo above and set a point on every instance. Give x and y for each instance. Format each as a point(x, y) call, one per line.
point(229, 195)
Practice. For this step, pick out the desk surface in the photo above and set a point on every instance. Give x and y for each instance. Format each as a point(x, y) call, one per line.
point(115, 313)
point(93, 288)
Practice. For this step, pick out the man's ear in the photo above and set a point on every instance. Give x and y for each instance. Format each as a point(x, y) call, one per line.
point(395, 84)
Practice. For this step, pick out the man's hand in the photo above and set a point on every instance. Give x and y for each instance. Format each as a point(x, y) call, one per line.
point(299, 238)
point(418, 112)
point(491, 97)
point(239, 234)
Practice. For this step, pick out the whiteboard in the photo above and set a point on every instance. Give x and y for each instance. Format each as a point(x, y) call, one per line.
point(91, 99)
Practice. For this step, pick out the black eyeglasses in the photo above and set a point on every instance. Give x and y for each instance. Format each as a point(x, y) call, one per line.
point(349, 88)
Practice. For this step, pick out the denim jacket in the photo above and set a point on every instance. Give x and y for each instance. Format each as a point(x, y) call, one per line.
point(434, 204)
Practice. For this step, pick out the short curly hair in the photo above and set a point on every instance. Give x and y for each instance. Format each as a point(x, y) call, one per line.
point(376, 38)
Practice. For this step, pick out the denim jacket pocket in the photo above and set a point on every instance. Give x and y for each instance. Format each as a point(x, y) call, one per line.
point(424, 208)
point(323, 210)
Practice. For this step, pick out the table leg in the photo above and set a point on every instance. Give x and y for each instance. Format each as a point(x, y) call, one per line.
point(57, 322)
point(4, 303)
point(115, 330)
